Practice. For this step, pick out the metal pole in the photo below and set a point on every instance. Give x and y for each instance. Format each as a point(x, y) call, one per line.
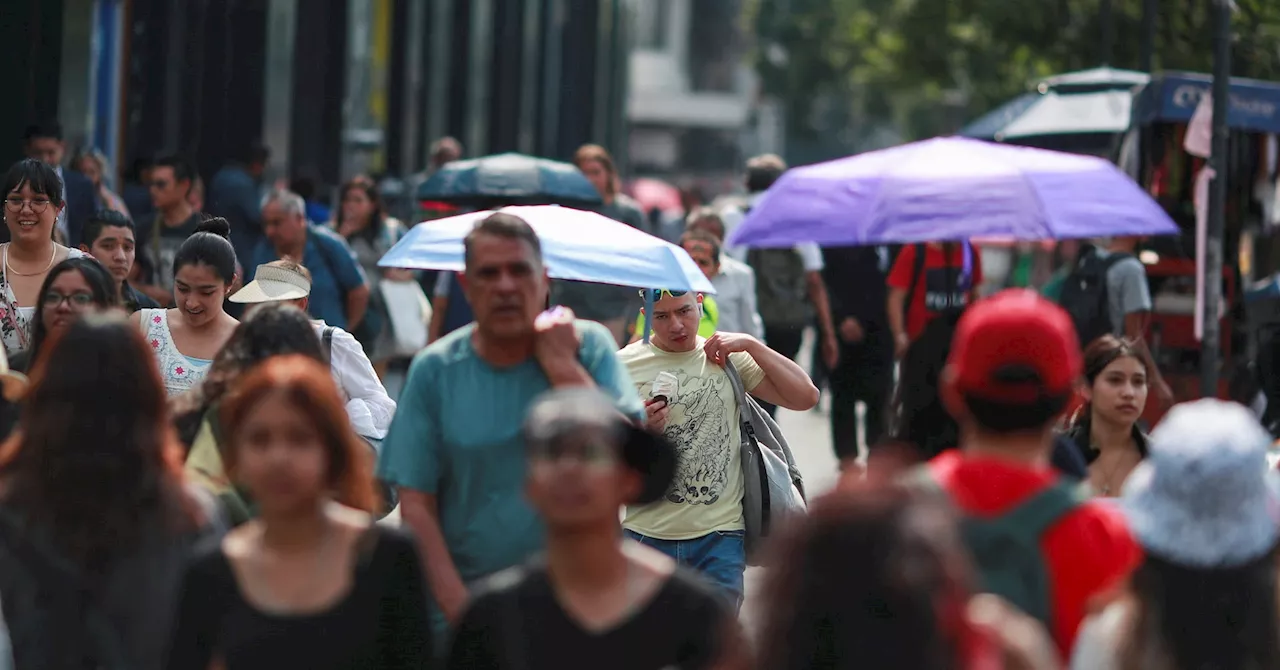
point(1149, 10)
point(1211, 347)
point(1108, 30)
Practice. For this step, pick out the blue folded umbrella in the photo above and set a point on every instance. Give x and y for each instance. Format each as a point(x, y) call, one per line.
point(509, 179)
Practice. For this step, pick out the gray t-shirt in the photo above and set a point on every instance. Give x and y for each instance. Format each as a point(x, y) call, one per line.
point(1127, 290)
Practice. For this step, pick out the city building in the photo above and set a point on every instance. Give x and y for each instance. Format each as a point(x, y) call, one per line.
point(333, 87)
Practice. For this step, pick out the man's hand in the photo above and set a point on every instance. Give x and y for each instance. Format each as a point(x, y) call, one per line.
point(453, 604)
point(830, 350)
point(851, 331)
point(720, 345)
point(556, 342)
point(900, 345)
point(655, 415)
point(398, 274)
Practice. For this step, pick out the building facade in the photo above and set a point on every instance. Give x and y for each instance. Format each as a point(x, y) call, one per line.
point(333, 87)
point(694, 105)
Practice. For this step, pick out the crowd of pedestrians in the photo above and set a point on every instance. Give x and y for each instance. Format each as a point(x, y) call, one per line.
point(202, 466)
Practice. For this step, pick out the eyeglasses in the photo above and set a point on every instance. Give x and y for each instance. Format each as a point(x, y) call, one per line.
point(38, 205)
point(53, 299)
point(655, 294)
point(588, 452)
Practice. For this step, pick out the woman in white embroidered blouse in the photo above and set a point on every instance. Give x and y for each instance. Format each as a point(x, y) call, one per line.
point(33, 201)
point(186, 338)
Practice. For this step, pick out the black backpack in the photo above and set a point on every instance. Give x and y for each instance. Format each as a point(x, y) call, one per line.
point(1085, 294)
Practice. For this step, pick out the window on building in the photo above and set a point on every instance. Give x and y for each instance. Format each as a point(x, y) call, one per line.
point(651, 24)
point(715, 45)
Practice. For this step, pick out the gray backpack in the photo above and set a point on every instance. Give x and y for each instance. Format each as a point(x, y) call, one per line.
point(773, 488)
point(782, 292)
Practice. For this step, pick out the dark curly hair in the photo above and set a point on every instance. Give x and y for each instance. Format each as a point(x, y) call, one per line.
point(271, 329)
point(95, 461)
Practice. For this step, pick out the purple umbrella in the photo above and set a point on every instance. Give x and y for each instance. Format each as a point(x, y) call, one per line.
point(951, 188)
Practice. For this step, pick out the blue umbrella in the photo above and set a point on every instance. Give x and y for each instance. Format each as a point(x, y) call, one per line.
point(576, 245)
point(951, 188)
point(511, 178)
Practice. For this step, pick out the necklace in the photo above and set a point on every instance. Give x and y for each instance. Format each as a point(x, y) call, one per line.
point(1110, 475)
point(9, 267)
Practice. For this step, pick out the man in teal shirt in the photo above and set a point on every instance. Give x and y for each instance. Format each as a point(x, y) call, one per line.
point(454, 450)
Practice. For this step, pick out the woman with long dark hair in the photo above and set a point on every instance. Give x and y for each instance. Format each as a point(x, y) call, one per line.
point(311, 582)
point(273, 329)
point(185, 338)
point(93, 480)
point(1203, 508)
point(33, 200)
point(1105, 429)
point(72, 288)
point(363, 222)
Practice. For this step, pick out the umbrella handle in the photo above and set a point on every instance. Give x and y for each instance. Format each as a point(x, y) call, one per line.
point(648, 309)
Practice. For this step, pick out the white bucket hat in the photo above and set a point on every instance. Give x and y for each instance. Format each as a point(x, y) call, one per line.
point(273, 284)
point(1205, 497)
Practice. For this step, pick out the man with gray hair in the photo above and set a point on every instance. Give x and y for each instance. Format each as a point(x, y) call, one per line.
point(339, 292)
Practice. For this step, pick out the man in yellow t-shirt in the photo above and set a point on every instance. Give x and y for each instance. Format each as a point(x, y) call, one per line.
point(699, 520)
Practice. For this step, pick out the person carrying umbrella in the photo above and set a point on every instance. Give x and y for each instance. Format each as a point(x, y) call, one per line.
point(613, 306)
point(454, 449)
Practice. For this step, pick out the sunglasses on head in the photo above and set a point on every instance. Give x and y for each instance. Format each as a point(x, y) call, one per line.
point(655, 294)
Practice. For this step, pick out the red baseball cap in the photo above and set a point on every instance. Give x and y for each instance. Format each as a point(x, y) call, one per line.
point(1015, 347)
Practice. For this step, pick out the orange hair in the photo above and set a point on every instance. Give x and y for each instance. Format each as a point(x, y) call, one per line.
point(310, 388)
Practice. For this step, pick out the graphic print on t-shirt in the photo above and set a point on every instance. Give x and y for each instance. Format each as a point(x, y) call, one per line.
point(944, 289)
point(696, 426)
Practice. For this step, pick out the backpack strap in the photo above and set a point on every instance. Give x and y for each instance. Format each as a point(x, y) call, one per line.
point(1040, 511)
point(920, 252)
point(326, 340)
point(747, 436)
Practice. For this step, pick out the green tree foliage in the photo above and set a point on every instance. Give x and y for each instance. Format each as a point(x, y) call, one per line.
point(924, 66)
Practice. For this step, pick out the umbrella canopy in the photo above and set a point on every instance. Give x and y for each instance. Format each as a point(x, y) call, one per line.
point(951, 188)
point(1097, 101)
point(508, 179)
point(656, 194)
point(576, 245)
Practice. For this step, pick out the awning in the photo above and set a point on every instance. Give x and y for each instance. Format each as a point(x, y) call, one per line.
point(1173, 96)
point(1097, 101)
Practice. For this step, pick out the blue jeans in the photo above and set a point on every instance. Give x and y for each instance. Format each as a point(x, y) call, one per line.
point(721, 557)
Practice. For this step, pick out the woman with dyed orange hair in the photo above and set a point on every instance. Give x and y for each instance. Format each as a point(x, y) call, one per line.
point(312, 562)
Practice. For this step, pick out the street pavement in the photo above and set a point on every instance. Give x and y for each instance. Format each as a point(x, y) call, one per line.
point(809, 435)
